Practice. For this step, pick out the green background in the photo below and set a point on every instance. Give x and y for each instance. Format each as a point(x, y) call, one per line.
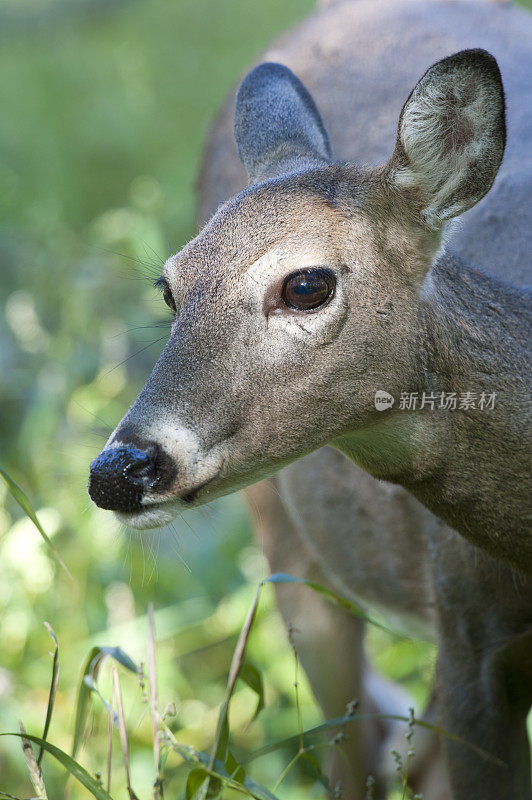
point(104, 110)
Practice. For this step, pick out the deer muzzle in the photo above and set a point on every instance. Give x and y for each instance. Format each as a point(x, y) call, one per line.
point(120, 477)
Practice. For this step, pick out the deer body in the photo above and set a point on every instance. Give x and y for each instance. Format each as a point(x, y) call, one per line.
point(427, 515)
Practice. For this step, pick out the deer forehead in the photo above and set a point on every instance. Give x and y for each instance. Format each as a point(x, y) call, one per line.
point(267, 235)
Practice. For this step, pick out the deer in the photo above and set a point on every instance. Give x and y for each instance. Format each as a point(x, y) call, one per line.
point(319, 293)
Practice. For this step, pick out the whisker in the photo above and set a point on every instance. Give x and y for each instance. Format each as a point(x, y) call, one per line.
point(142, 349)
point(154, 553)
point(163, 323)
point(128, 546)
point(144, 277)
point(176, 551)
point(155, 253)
point(92, 414)
point(189, 526)
point(141, 539)
point(149, 264)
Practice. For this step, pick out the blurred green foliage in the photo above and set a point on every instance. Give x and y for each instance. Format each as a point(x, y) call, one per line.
point(105, 106)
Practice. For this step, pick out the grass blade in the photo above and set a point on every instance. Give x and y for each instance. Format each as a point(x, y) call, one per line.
point(21, 498)
point(82, 703)
point(34, 768)
point(154, 702)
point(110, 743)
point(311, 733)
point(75, 769)
point(117, 694)
point(282, 577)
point(196, 779)
point(250, 675)
point(53, 689)
point(221, 737)
point(91, 669)
point(218, 770)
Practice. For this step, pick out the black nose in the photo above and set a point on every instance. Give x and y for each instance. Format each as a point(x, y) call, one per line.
point(120, 476)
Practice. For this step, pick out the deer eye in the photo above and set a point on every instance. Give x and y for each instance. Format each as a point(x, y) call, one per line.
point(162, 283)
point(168, 298)
point(308, 289)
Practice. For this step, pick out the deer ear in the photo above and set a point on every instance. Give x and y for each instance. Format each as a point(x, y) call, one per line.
point(451, 135)
point(277, 125)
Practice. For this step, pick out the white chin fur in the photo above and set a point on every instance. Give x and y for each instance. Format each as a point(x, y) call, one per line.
point(149, 517)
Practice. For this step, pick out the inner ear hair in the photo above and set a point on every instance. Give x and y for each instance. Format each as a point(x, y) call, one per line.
point(451, 136)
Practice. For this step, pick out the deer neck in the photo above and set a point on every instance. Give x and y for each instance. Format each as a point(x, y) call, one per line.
point(458, 434)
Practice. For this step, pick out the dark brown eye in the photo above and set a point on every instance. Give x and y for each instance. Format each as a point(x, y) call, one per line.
point(162, 283)
point(308, 289)
point(168, 298)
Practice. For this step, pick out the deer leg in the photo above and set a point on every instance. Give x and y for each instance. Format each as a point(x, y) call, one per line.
point(476, 705)
point(484, 673)
point(328, 641)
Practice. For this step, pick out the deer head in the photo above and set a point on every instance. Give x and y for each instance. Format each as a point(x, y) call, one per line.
point(300, 298)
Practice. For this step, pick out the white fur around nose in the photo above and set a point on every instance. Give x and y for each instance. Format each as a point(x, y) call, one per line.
point(180, 443)
point(194, 465)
